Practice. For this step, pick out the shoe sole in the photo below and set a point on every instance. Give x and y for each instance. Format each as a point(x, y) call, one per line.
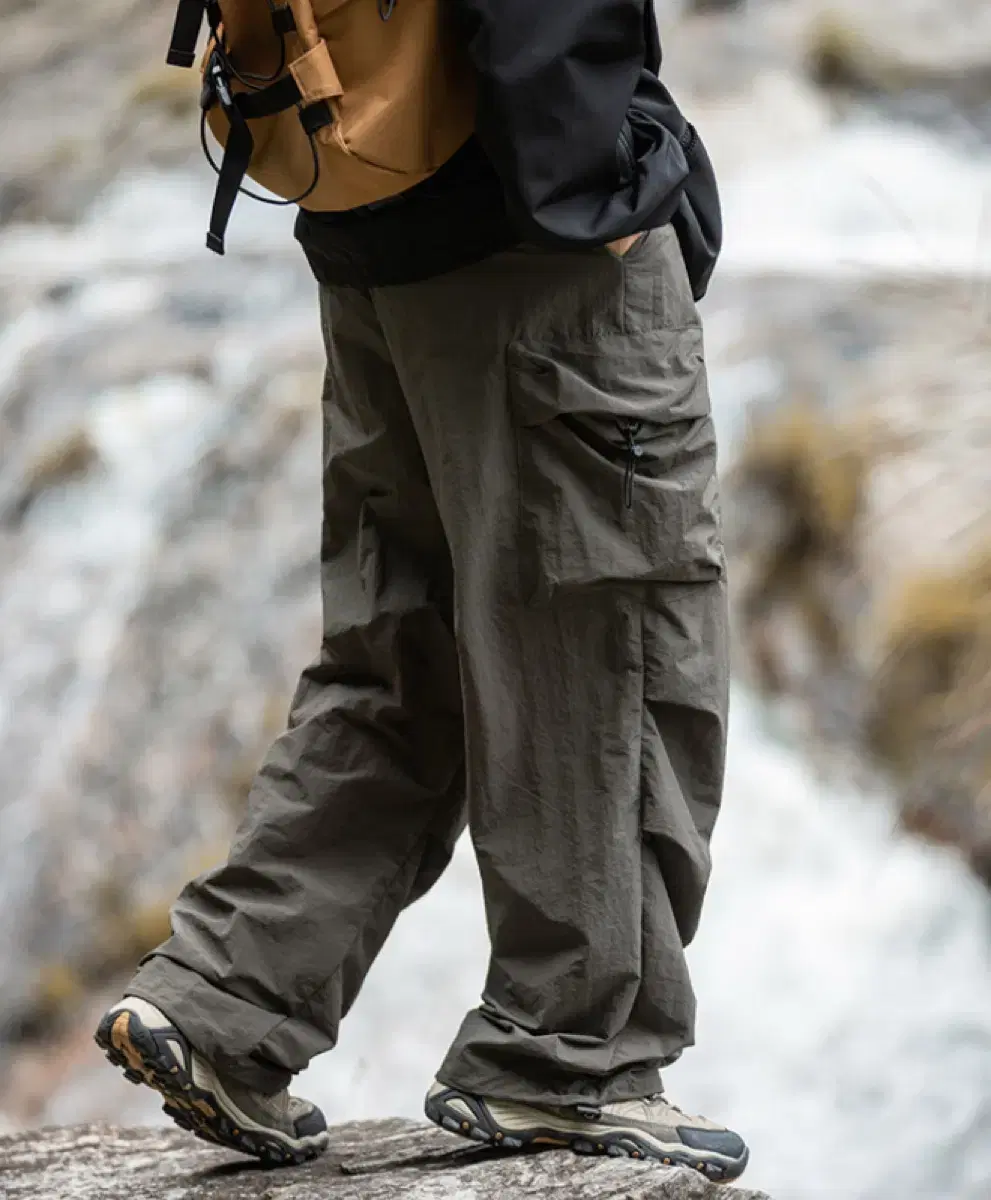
point(618, 1143)
point(131, 1046)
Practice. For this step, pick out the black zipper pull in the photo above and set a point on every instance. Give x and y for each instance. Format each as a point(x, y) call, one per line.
point(634, 452)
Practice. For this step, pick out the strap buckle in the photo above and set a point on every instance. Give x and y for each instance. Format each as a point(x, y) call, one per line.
point(219, 81)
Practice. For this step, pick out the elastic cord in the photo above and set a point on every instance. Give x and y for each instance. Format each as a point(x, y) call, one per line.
point(254, 195)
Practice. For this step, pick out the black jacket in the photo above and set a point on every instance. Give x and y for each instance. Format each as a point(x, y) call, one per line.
point(578, 143)
point(587, 141)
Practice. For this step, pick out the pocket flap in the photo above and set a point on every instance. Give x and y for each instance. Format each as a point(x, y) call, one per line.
point(616, 457)
point(652, 376)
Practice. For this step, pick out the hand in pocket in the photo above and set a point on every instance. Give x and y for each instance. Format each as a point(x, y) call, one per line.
point(622, 246)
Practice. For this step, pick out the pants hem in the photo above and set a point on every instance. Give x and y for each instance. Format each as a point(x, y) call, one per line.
point(225, 1029)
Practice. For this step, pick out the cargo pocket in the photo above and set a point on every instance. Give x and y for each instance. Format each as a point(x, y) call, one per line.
point(617, 463)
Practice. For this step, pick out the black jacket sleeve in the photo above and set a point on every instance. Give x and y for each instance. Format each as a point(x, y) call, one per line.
point(587, 142)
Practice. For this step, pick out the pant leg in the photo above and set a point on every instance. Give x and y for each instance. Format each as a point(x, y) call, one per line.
point(357, 807)
point(591, 627)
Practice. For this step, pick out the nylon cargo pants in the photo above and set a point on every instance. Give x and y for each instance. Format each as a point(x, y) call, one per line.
point(525, 629)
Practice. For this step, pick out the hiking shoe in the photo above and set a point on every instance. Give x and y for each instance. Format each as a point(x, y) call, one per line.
point(280, 1130)
point(646, 1129)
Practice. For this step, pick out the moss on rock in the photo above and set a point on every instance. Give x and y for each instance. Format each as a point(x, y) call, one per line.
point(63, 460)
point(810, 474)
point(936, 655)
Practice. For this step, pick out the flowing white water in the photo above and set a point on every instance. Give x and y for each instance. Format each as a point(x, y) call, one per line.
point(843, 972)
point(865, 198)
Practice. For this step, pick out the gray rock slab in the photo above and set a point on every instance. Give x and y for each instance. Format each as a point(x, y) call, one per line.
point(368, 1160)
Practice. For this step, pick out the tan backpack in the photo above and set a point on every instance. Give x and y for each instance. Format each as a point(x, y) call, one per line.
point(330, 104)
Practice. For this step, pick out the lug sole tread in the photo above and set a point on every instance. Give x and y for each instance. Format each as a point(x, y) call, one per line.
point(615, 1145)
point(133, 1048)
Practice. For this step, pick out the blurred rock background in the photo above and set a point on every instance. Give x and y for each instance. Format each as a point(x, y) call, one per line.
point(159, 429)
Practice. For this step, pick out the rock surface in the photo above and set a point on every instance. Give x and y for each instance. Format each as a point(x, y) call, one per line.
point(381, 1160)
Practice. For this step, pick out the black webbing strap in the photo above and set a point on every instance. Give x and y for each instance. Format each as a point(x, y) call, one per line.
point(237, 157)
point(275, 98)
point(315, 116)
point(186, 31)
point(239, 110)
point(188, 23)
point(282, 95)
point(214, 16)
point(283, 21)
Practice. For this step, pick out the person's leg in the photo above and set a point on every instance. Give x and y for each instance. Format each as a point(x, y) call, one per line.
point(356, 809)
point(562, 404)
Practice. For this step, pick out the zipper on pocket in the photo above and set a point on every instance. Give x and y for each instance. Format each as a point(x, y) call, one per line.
point(634, 452)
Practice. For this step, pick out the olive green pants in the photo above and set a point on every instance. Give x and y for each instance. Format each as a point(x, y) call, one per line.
point(525, 629)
